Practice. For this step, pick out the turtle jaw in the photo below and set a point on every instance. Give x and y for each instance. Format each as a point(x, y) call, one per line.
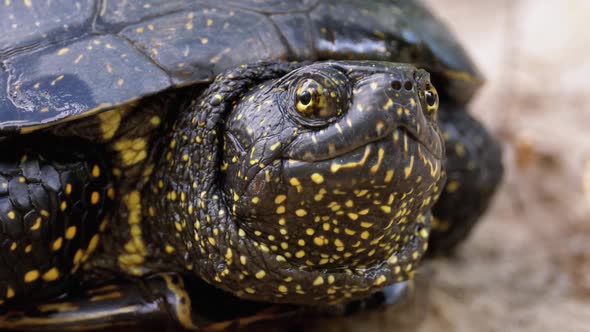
point(341, 228)
point(365, 207)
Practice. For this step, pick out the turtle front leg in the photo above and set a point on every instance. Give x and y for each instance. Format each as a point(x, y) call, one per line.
point(474, 170)
point(162, 300)
point(55, 198)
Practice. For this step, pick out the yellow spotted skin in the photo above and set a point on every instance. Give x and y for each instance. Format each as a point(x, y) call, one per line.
point(52, 195)
point(356, 223)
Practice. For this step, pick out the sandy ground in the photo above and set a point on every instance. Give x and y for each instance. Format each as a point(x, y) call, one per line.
point(527, 265)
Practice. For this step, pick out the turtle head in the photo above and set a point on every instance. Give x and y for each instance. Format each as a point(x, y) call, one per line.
point(331, 171)
point(304, 184)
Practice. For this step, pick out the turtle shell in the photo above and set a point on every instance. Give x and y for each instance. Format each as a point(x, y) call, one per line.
point(61, 60)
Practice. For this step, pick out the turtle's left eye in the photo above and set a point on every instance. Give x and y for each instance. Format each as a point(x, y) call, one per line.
point(314, 100)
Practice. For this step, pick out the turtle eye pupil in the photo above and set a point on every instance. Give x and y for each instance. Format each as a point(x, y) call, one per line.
point(305, 98)
point(430, 98)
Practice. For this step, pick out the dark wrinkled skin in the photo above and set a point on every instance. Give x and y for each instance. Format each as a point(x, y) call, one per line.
point(247, 182)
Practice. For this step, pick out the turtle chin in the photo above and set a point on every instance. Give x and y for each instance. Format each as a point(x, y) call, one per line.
point(350, 224)
point(358, 209)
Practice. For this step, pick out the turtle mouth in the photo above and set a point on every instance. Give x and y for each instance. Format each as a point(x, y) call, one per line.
point(429, 143)
point(333, 143)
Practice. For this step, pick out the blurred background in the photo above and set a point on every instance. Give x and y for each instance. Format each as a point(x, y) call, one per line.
point(527, 265)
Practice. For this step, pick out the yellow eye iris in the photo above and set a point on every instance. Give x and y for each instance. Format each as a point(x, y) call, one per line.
point(431, 98)
point(311, 101)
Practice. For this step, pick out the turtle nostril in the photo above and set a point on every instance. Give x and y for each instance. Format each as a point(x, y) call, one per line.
point(396, 85)
point(408, 85)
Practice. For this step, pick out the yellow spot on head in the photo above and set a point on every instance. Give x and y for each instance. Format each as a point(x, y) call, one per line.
point(11, 215)
point(380, 280)
point(57, 244)
point(353, 216)
point(31, 276)
point(301, 213)
point(386, 208)
point(318, 241)
point(169, 249)
point(92, 244)
point(62, 51)
point(37, 224)
point(78, 256)
point(260, 274)
point(94, 198)
point(280, 199)
point(317, 178)
point(51, 275)
point(71, 232)
point(318, 281)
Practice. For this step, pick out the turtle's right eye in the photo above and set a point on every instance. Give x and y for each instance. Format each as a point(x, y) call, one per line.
point(304, 99)
point(317, 95)
point(312, 100)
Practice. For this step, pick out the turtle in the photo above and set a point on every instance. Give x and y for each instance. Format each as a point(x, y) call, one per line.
point(216, 163)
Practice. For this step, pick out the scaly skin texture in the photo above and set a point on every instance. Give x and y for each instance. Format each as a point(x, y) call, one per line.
point(55, 200)
point(296, 206)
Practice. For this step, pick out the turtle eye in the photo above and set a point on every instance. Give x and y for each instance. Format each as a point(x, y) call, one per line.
point(431, 99)
point(314, 100)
